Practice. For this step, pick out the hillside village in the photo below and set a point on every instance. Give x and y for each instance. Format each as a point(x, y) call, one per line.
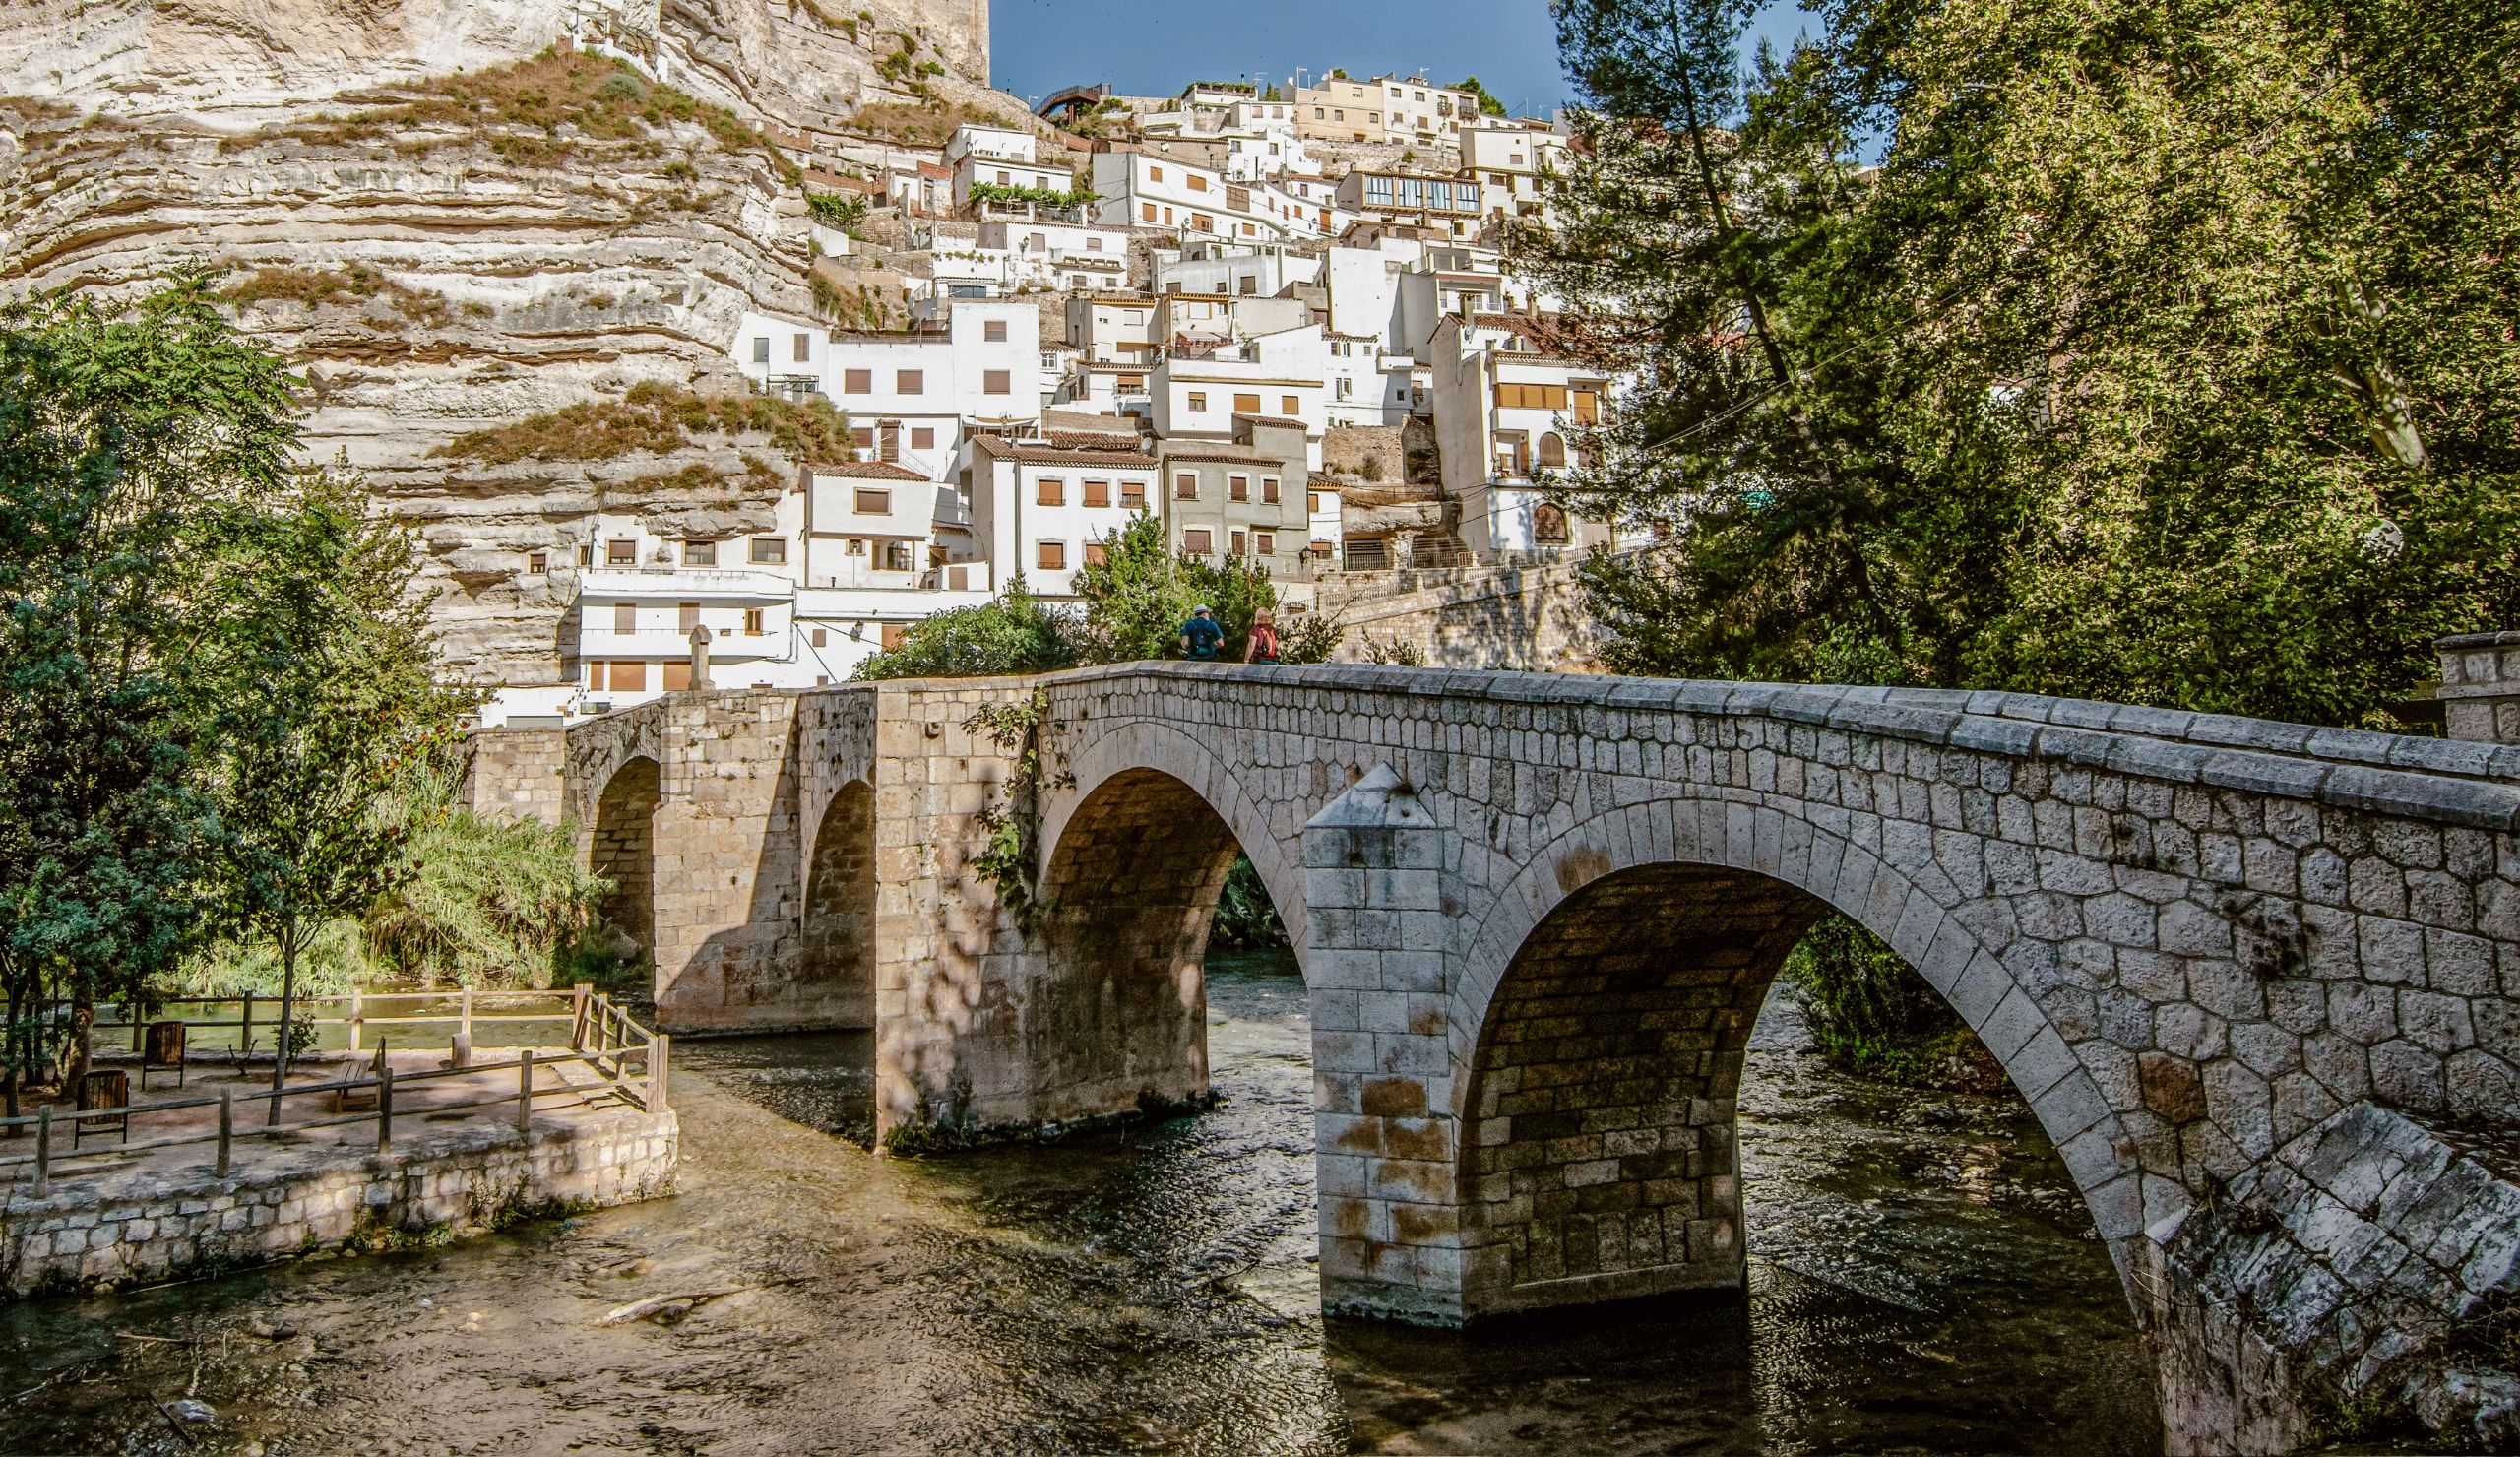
point(777, 320)
point(1281, 320)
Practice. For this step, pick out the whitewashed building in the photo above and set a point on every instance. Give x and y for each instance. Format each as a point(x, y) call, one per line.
point(909, 394)
point(1047, 509)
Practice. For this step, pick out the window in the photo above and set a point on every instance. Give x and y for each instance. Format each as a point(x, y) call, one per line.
point(1531, 397)
point(752, 621)
point(857, 382)
point(893, 634)
point(1237, 543)
point(536, 563)
point(897, 556)
point(1053, 556)
point(1186, 486)
point(700, 553)
point(889, 447)
point(1002, 178)
point(1155, 174)
point(1588, 406)
point(1096, 554)
point(1247, 404)
point(1196, 541)
point(1146, 211)
point(1294, 406)
point(874, 502)
point(1265, 544)
point(1198, 400)
point(1248, 285)
point(922, 437)
point(958, 579)
point(676, 674)
point(857, 547)
point(1053, 493)
point(625, 617)
point(1198, 183)
point(1133, 496)
point(821, 638)
point(1097, 493)
point(621, 553)
point(1552, 450)
point(1269, 490)
point(804, 348)
point(768, 551)
point(1237, 487)
point(993, 332)
point(586, 556)
point(761, 350)
point(630, 677)
point(863, 436)
point(1312, 502)
point(1093, 245)
point(998, 382)
point(1202, 223)
point(686, 617)
point(910, 382)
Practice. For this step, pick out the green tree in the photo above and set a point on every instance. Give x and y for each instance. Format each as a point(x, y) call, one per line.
point(328, 697)
point(1487, 105)
point(1012, 633)
point(1138, 595)
point(135, 441)
point(2166, 356)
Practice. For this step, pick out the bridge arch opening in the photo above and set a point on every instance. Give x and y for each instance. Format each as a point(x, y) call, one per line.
point(838, 961)
point(1599, 1152)
point(624, 848)
point(1133, 887)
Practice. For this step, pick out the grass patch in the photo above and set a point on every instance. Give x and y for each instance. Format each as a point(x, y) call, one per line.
point(928, 126)
point(355, 284)
point(656, 419)
point(521, 110)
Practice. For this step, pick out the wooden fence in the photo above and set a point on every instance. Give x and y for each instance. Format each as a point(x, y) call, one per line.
point(602, 1038)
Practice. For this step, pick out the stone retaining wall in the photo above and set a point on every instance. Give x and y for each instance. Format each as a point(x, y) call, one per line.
point(144, 1225)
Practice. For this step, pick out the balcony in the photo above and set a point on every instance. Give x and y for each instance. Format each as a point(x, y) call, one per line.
point(684, 584)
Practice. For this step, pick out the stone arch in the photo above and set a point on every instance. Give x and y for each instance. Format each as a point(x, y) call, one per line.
point(623, 849)
point(837, 963)
point(1132, 887)
point(1600, 1022)
point(1128, 748)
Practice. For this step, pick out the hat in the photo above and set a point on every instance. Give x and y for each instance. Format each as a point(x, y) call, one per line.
point(1201, 610)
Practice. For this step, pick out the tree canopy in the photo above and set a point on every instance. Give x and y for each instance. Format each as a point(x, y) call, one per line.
point(2166, 355)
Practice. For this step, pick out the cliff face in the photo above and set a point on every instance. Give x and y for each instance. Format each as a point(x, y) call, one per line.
point(444, 253)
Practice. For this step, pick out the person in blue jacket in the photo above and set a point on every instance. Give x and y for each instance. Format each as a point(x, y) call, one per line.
point(1200, 635)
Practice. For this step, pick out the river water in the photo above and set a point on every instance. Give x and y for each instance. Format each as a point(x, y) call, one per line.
point(1922, 1280)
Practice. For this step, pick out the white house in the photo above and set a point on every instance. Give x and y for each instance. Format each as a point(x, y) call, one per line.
point(1514, 161)
point(1060, 255)
point(1139, 189)
point(1200, 398)
point(1504, 410)
point(1243, 269)
point(908, 393)
point(1047, 509)
point(1113, 328)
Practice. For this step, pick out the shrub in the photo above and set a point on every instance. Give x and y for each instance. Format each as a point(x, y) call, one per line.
point(1011, 634)
point(1872, 1014)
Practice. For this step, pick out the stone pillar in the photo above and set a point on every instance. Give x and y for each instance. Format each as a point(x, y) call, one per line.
point(699, 657)
point(2481, 685)
point(517, 773)
point(1383, 1126)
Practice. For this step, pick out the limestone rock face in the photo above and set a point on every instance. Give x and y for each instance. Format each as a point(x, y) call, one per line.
point(436, 267)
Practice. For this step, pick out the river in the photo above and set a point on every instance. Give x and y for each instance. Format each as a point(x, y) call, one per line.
point(1923, 1279)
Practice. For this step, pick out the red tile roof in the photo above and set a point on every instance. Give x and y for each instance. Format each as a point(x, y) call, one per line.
point(866, 469)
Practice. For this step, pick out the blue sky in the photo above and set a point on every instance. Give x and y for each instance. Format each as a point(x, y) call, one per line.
point(1154, 47)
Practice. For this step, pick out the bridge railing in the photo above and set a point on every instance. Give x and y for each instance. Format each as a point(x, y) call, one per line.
point(625, 1064)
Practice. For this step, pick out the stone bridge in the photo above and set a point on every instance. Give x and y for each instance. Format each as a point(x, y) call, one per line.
point(2258, 980)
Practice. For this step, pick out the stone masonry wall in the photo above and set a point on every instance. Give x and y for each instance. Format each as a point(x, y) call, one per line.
point(150, 1224)
point(2481, 687)
point(517, 773)
point(1523, 619)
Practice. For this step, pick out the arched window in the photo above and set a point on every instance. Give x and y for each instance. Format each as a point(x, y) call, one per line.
point(1548, 523)
point(1553, 451)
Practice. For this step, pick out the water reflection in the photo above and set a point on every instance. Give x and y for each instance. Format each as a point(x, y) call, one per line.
point(1923, 1279)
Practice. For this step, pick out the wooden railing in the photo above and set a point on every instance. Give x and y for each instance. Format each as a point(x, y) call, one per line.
point(602, 1038)
point(356, 1011)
